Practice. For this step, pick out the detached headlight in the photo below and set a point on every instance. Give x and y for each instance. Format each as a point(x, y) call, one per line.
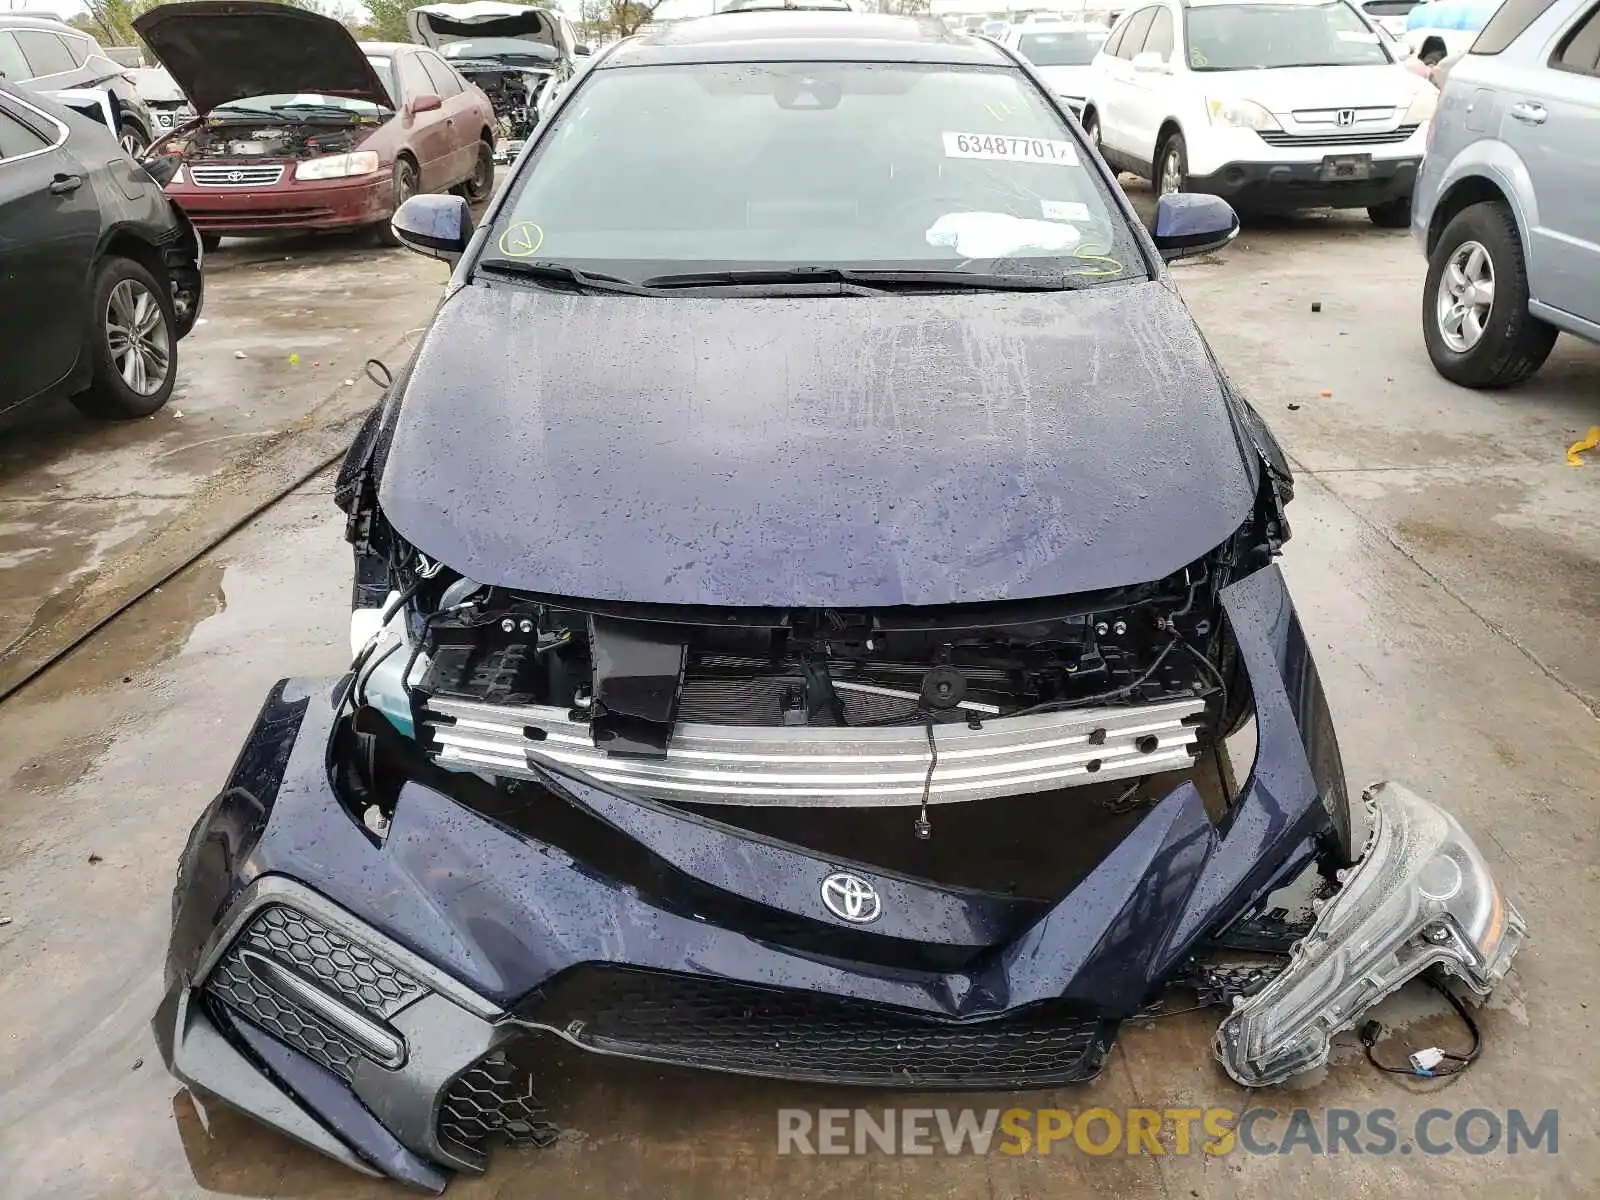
point(1422, 106)
point(338, 166)
point(1241, 114)
point(1420, 896)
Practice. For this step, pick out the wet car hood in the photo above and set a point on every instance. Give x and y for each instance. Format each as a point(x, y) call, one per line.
point(814, 451)
point(219, 51)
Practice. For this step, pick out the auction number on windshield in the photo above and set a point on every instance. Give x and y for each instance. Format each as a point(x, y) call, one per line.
point(999, 147)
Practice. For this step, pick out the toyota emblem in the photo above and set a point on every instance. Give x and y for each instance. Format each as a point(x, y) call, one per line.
point(850, 898)
point(235, 176)
point(1347, 117)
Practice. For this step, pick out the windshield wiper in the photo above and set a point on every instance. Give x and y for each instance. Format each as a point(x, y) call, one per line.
point(308, 106)
point(869, 279)
point(554, 272)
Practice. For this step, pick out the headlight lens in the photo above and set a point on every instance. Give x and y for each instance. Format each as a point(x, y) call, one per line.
point(1240, 114)
point(1421, 896)
point(1422, 107)
point(337, 166)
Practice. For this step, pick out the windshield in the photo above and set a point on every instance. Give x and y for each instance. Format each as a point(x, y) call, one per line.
point(498, 47)
point(303, 102)
point(385, 72)
point(1245, 37)
point(663, 169)
point(1071, 48)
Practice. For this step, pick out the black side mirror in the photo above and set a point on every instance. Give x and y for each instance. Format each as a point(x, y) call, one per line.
point(1188, 223)
point(583, 50)
point(438, 226)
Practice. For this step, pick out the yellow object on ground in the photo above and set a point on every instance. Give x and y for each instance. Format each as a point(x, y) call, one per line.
point(1577, 448)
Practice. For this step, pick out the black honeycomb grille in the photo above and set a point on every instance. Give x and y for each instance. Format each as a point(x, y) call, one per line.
point(786, 1034)
point(327, 957)
point(322, 956)
point(493, 1101)
point(233, 984)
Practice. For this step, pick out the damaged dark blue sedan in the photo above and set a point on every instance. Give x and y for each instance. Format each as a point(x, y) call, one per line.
point(804, 581)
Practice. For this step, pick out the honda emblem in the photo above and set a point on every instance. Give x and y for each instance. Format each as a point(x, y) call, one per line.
point(1346, 118)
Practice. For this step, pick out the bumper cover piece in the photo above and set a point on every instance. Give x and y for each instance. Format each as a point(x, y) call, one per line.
point(1420, 897)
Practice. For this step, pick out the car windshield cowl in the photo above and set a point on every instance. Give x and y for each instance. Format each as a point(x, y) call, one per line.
point(819, 279)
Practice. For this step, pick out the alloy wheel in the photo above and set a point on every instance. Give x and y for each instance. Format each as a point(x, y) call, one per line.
point(137, 337)
point(1466, 296)
point(132, 144)
point(1171, 172)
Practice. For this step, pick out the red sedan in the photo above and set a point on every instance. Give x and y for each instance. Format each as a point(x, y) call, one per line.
point(299, 126)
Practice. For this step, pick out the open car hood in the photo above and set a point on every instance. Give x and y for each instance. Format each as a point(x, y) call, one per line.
point(815, 451)
point(436, 24)
point(219, 51)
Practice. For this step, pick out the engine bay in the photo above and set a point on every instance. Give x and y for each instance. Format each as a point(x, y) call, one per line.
point(230, 138)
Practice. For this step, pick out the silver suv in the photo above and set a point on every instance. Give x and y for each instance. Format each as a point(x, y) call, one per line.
point(1505, 207)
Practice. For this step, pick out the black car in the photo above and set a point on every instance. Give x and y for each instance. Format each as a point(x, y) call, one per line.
point(99, 274)
point(805, 581)
point(40, 54)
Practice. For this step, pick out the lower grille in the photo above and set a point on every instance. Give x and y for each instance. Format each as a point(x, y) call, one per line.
point(493, 1101)
point(319, 962)
point(1353, 138)
point(733, 1027)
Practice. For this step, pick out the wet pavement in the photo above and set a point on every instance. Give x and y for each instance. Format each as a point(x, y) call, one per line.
point(1446, 564)
point(92, 514)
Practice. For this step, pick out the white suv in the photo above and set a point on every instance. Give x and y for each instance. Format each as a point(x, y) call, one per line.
point(1273, 104)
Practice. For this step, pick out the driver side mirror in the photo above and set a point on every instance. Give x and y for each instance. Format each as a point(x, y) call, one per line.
point(583, 50)
point(162, 167)
point(1187, 223)
point(1149, 62)
point(434, 225)
point(426, 102)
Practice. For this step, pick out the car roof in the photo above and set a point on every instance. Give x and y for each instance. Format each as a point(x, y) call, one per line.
point(11, 20)
point(800, 36)
point(388, 47)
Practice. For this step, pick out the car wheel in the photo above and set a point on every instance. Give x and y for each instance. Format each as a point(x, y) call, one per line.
point(481, 181)
point(132, 141)
point(1091, 129)
point(210, 242)
point(1475, 317)
point(406, 185)
point(1171, 166)
point(133, 343)
point(1391, 214)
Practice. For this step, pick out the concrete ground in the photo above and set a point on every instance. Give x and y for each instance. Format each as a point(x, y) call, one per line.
point(1446, 563)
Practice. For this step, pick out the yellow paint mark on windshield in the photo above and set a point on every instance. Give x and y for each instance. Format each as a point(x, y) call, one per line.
point(522, 240)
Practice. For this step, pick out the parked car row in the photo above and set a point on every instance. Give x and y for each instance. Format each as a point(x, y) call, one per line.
point(41, 54)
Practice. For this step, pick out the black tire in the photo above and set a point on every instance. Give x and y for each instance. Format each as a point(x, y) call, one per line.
point(110, 395)
point(210, 242)
point(1513, 343)
point(1172, 143)
point(1391, 214)
point(132, 140)
point(407, 183)
point(481, 182)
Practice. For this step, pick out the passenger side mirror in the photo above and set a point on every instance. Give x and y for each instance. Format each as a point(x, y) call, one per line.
point(1149, 62)
point(434, 225)
point(583, 50)
point(426, 102)
point(1187, 223)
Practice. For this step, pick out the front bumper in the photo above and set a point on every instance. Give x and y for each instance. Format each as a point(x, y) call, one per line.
point(1268, 186)
point(288, 205)
point(380, 999)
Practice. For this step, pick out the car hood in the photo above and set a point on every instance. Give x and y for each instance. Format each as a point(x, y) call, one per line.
point(814, 451)
point(436, 24)
point(1289, 89)
point(219, 51)
point(1067, 81)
